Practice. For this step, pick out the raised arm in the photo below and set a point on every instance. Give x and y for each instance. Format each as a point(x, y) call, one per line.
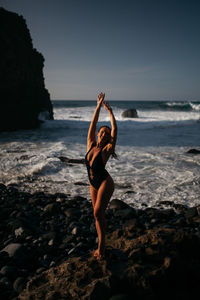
point(91, 132)
point(111, 146)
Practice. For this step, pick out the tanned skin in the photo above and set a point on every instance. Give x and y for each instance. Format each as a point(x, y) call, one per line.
point(106, 141)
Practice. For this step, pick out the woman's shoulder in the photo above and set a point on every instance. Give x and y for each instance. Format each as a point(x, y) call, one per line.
point(90, 145)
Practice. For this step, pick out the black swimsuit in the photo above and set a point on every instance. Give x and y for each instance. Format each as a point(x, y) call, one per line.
point(96, 172)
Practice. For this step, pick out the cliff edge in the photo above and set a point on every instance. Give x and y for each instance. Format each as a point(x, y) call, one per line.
point(22, 90)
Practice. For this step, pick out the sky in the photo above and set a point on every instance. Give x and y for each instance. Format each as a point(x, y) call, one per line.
point(129, 49)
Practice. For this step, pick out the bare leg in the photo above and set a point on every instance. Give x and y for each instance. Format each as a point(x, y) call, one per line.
point(93, 193)
point(103, 196)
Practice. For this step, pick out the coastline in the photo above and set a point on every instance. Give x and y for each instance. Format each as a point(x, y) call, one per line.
point(47, 242)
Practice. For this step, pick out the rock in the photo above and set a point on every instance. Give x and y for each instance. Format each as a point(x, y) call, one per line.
point(121, 297)
point(164, 255)
point(147, 250)
point(6, 282)
point(23, 94)
point(75, 230)
point(20, 255)
point(9, 271)
point(49, 235)
point(126, 213)
point(180, 208)
point(198, 210)
point(40, 270)
point(14, 249)
point(118, 204)
point(72, 250)
point(80, 183)
point(72, 213)
point(72, 160)
point(79, 199)
point(191, 212)
point(51, 208)
point(193, 151)
point(19, 231)
point(51, 242)
point(130, 113)
point(19, 284)
point(100, 290)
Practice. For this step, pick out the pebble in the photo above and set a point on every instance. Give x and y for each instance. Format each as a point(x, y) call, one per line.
point(51, 242)
point(66, 227)
point(19, 284)
point(71, 251)
point(13, 249)
point(8, 271)
point(75, 230)
point(19, 231)
point(5, 281)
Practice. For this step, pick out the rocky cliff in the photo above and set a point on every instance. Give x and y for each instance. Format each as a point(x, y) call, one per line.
point(23, 95)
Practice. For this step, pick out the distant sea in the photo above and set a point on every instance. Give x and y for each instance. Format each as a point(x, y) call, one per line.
point(153, 164)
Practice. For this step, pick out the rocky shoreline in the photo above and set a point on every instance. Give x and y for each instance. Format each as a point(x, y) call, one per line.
point(47, 242)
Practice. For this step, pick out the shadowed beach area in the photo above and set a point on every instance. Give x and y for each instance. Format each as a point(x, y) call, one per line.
point(47, 244)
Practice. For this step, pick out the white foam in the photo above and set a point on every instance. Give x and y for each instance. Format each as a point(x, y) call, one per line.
point(152, 166)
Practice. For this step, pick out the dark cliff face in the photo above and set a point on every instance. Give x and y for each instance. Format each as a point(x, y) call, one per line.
point(23, 95)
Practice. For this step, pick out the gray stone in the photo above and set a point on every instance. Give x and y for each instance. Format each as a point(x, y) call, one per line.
point(19, 284)
point(13, 249)
point(5, 281)
point(40, 270)
point(52, 264)
point(51, 208)
point(130, 113)
point(19, 231)
point(126, 213)
point(8, 271)
point(191, 212)
point(71, 251)
point(51, 242)
point(198, 210)
point(193, 151)
point(72, 213)
point(75, 230)
point(118, 204)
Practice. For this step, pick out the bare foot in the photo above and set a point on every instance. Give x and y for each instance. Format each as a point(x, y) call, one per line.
point(98, 255)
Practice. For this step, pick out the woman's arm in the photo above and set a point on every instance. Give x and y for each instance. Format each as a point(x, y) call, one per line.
point(111, 145)
point(91, 132)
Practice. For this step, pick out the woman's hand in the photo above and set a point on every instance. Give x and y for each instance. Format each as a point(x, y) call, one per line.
point(107, 107)
point(100, 98)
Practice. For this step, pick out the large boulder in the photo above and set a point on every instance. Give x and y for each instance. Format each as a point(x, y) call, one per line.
point(130, 113)
point(22, 90)
point(193, 151)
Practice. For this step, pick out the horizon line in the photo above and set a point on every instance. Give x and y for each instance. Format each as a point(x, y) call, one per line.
point(127, 100)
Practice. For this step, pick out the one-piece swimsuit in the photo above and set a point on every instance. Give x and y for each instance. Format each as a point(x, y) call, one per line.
point(96, 172)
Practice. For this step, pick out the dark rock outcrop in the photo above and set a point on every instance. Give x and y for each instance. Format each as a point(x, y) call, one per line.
point(22, 91)
point(193, 151)
point(130, 113)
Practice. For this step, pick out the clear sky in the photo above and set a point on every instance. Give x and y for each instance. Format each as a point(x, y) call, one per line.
point(130, 49)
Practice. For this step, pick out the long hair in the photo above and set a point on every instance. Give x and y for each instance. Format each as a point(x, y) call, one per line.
point(113, 154)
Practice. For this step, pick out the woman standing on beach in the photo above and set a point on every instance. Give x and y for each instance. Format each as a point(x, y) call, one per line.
point(101, 183)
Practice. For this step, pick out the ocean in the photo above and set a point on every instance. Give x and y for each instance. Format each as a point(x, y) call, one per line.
point(152, 166)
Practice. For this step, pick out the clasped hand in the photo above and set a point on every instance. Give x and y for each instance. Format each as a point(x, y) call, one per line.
point(100, 101)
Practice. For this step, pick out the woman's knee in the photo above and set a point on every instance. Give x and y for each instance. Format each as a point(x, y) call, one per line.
point(98, 215)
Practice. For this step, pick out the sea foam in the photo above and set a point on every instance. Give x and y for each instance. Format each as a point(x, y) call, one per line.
point(152, 161)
